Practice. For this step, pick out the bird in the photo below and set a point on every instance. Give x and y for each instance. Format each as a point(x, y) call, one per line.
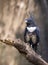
point(31, 33)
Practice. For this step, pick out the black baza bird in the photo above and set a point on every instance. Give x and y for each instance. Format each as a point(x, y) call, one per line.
point(31, 34)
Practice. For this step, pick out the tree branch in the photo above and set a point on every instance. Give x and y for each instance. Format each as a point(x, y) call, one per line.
point(24, 48)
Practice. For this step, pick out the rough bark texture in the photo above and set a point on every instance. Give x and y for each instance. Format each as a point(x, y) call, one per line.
point(12, 16)
point(24, 48)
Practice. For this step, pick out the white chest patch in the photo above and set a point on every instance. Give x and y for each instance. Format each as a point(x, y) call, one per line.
point(31, 29)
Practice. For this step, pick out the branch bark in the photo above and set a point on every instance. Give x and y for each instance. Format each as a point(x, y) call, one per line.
point(24, 48)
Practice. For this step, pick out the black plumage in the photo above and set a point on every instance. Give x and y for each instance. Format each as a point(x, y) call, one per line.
point(31, 37)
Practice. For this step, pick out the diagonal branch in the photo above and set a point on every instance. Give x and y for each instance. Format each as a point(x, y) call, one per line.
point(24, 48)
